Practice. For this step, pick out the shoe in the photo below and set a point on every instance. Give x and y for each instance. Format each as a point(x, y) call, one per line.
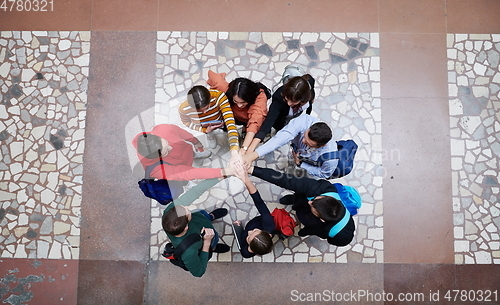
point(221, 248)
point(202, 154)
point(287, 199)
point(211, 141)
point(218, 213)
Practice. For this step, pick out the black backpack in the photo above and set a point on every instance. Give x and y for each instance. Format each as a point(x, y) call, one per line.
point(175, 254)
point(346, 152)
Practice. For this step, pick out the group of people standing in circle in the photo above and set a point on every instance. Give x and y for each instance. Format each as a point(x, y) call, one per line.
point(167, 152)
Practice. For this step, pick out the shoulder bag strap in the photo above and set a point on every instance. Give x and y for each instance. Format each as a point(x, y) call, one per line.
point(324, 157)
point(339, 225)
point(149, 168)
point(186, 243)
point(343, 222)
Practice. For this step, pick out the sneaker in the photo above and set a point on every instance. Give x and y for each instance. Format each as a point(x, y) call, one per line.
point(211, 140)
point(202, 154)
point(221, 248)
point(287, 199)
point(218, 213)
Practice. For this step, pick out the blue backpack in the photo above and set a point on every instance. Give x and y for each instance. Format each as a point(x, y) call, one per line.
point(160, 190)
point(351, 200)
point(345, 153)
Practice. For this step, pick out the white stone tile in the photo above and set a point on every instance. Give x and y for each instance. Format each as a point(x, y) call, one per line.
point(339, 47)
point(461, 246)
point(64, 44)
point(300, 258)
point(482, 257)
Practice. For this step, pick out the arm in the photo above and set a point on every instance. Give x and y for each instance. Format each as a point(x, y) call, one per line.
point(185, 172)
point(196, 261)
point(194, 193)
point(247, 142)
point(272, 115)
point(288, 133)
point(227, 114)
point(267, 219)
point(257, 113)
point(307, 186)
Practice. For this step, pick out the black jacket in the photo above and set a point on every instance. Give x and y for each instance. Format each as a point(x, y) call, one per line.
point(278, 111)
point(310, 188)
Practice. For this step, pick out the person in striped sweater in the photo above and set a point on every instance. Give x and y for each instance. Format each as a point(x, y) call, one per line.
point(207, 110)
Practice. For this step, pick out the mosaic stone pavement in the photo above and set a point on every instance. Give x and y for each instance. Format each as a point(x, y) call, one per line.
point(474, 90)
point(43, 81)
point(347, 70)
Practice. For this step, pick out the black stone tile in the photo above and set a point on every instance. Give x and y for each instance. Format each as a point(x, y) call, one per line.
point(293, 44)
point(264, 50)
point(363, 47)
point(471, 105)
point(311, 52)
point(31, 234)
point(4, 135)
point(353, 54)
point(312, 64)
point(43, 40)
point(62, 133)
point(337, 59)
point(62, 190)
point(16, 91)
point(352, 42)
point(56, 141)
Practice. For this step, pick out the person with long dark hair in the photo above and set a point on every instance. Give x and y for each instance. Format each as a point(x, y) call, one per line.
point(289, 101)
point(248, 100)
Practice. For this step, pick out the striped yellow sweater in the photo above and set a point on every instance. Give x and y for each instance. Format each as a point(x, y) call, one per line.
point(219, 109)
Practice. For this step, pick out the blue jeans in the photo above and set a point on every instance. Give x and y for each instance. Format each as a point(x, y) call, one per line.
point(215, 240)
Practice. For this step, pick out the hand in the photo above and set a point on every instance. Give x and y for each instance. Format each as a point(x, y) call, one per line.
point(212, 127)
point(235, 158)
point(209, 234)
point(241, 173)
point(249, 158)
